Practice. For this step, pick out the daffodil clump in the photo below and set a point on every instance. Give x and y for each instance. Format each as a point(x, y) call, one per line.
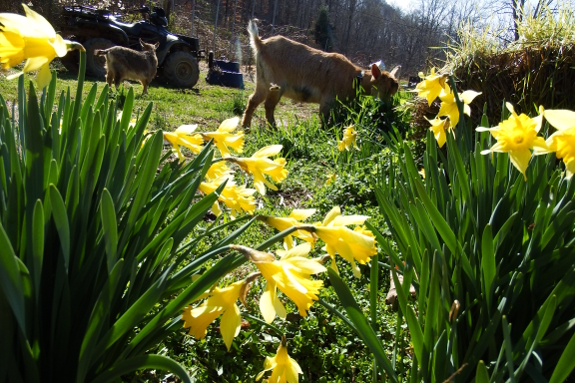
point(435, 85)
point(289, 271)
point(31, 38)
point(238, 198)
point(517, 135)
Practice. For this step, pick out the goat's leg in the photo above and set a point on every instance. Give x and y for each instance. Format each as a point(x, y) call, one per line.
point(271, 101)
point(324, 112)
point(110, 78)
point(145, 85)
point(255, 99)
point(117, 82)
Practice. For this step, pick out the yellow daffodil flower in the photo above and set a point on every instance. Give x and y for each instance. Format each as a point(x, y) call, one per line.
point(31, 38)
point(518, 136)
point(293, 219)
point(181, 137)
point(285, 369)
point(218, 170)
point(259, 165)
point(236, 198)
point(290, 274)
point(349, 139)
point(224, 139)
point(331, 178)
point(562, 142)
point(431, 86)
point(353, 245)
point(449, 106)
point(439, 126)
point(221, 301)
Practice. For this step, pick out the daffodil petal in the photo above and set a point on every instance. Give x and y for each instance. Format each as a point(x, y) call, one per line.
point(187, 129)
point(468, 96)
point(39, 23)
point(35, 63)
point(344, 220)
point(298, 251)
point(301, 214)
point(44, 76)
point(230, 324)
point(267, 304)
point(520, 160)
point(560, 119)
point(334, 212)
point(229, 125)
point(268, 151)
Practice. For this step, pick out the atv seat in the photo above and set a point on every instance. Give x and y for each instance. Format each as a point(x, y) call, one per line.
point(133, 29)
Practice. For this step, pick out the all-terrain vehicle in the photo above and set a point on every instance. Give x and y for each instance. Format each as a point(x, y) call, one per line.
point(101, 29)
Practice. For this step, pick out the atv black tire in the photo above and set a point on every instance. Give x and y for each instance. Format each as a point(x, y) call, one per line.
point(95, 64)
point(71, 61)
point(181, 69)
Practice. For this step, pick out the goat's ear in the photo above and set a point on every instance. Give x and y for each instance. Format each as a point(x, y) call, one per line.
point(141, 43)
point(156, 45)
point(375, 72)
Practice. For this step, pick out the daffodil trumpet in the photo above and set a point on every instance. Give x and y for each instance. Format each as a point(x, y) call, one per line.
point(31, 38)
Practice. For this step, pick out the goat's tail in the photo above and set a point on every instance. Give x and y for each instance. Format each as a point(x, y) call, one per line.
point(255, 40)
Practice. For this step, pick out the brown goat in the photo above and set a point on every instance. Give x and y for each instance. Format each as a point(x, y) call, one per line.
point(288, 68)
point(127, 64)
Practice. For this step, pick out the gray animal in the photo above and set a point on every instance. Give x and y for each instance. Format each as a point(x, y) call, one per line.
point(127, 64)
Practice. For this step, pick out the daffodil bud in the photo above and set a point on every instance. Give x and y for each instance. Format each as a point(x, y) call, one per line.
point(247, 285)
point(253, 255)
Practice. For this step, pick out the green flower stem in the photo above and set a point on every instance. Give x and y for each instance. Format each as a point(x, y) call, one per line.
point(337, 313)
point(276, 329)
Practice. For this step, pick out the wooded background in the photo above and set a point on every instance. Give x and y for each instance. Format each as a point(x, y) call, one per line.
point(364, 30)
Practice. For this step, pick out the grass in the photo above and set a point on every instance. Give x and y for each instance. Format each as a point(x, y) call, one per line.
point(325, 348)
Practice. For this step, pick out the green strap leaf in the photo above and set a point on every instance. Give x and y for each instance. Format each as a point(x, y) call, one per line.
point(487, 262)
point(97, 320)
point(361, 324)
point(37, 245)
point(10, 281)
point(110, 227)
point(481, 375)
point(143, 362)
point(61, 220)
point(566, 363)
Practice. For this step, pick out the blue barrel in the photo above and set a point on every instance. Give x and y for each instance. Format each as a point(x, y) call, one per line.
point(228, 66)
point(233, 80)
